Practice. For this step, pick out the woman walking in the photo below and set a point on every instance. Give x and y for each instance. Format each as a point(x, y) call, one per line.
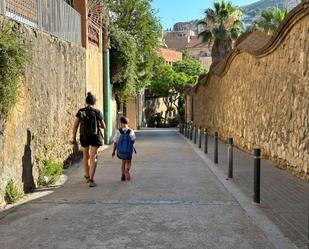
point(89, 120)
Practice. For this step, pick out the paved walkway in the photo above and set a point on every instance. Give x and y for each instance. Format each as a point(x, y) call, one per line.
point(174, 201)
point(284, 198)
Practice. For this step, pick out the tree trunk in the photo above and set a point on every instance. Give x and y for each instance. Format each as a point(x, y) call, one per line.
point(220, 49)
point(167, 104)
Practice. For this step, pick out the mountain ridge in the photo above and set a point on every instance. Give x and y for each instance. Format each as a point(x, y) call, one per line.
point(251, 12)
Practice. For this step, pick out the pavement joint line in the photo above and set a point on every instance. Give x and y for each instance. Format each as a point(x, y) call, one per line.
point(142, 202)
point(252, 210)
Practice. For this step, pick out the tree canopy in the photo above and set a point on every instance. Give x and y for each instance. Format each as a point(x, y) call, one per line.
point(137, 19)
point(222, 25)
point(270, 20)
point(193, 69)
point(168, 81)
point(123, 63)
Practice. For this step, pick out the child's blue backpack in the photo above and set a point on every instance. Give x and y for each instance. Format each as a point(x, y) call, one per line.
point(125, 146)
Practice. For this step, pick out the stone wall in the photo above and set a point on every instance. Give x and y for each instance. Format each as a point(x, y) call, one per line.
point(51, 92)
point(131, 113)
point(95, 73)
point(260, 95)
point(113, 115)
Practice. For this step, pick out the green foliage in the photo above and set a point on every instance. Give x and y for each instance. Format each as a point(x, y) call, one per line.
point(186, 55)
point(270, 20)
point(224, 21)
point(168, 82)
point(181, 107)
point(123, 63)
point(193, 69)
point(172, 122)
point(222, 24)
point(253, 11)
point(12, 192)
point(49, 171)
point(155, 120)
point(137, 18)
point(163, 81)
point(13, 60)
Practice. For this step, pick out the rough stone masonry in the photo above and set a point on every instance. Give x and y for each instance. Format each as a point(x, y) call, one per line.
point(51, 92)
point(261, 99)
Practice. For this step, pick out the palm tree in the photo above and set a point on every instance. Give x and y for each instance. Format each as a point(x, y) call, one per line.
point(270, 20)
point(222, 25)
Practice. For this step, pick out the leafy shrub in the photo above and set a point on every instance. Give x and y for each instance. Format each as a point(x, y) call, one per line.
point(123, 63)
point(155, 120)
point(49, 172)
point(172, 122)
point(12, 192)
point(13, 58)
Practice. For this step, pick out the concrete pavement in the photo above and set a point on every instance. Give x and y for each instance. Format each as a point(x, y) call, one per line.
point(284, 197)
point(174, 201)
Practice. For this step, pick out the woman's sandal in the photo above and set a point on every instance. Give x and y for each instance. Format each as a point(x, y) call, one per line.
point(87, 178)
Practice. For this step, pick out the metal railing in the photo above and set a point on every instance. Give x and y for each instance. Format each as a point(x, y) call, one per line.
point(52, 16)
point(2, 6)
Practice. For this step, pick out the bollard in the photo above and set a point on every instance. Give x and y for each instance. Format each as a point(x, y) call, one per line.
point(200, 137)
point(257, 175)
point(191, 131)
point(187, 130)
point(230, 156)
point(216, 148)
point(206, 141)
point(195, 134)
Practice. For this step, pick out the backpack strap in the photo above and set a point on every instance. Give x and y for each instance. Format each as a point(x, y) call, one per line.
point(128, 132)
point(121, 131)
point(97, 122)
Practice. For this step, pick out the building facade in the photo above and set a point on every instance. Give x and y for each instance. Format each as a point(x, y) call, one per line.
point(200, 51)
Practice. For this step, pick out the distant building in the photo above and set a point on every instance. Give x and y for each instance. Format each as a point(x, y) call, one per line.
point(170, 56)
point(177, 40)
point(185, 37)
point(200, 51)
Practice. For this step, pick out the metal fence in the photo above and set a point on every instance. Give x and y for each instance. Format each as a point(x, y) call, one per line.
point(52, 16)
point(2, 6)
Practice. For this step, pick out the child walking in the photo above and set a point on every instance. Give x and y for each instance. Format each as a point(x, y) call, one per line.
point(123, 143)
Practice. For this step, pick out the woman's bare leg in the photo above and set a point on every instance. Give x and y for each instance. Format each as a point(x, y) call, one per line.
point(93, 161)
point(86, 161)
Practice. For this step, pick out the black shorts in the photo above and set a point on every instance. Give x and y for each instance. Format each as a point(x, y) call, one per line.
point(127, 158)
point(95, 141)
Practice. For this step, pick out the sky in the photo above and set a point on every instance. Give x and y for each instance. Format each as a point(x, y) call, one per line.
point(172, 11)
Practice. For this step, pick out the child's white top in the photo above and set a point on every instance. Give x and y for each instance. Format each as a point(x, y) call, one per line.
point(117, 135)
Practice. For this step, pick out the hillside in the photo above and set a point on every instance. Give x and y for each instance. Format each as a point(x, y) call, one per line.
point(252, 11)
